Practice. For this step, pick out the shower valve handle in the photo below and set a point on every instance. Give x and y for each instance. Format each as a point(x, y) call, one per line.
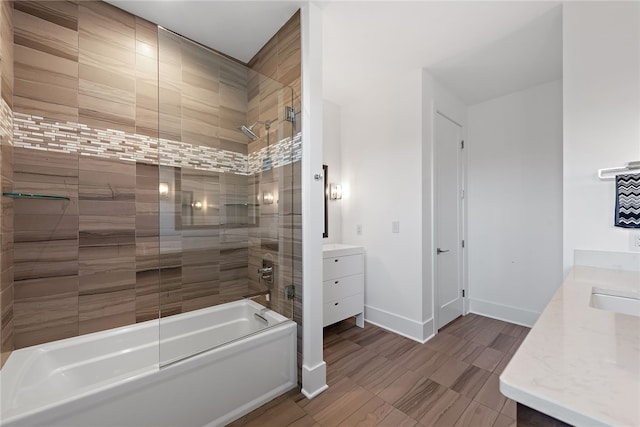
point(266, 274)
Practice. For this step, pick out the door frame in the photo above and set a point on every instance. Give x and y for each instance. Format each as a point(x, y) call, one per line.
point(462, 223)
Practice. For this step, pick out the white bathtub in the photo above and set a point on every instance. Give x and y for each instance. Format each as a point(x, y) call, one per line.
point(121, 377)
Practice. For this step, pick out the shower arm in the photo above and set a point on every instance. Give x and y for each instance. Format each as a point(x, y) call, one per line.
point(248, 130)
point(267, 123)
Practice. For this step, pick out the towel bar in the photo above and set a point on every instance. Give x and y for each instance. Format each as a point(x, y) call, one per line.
point(629, 167)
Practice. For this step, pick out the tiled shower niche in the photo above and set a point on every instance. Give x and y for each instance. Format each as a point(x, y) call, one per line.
point(164, 113)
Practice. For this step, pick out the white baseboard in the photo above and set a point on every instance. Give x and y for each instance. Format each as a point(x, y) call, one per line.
point(399, 324)
point(507, 313)
point(428, 330)
point(314, 380)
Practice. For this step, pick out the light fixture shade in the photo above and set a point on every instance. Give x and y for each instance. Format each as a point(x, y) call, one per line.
point(163, 190)
point(335, 191)
point(267, 198)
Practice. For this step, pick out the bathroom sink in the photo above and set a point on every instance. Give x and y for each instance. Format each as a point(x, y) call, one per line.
point(625, 303)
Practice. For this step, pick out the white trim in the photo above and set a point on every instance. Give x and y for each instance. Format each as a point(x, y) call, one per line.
point(313, 368)
point(507, 313)
point(464, 212)
point(398, 324)
point(314, 375)
point(428, 330)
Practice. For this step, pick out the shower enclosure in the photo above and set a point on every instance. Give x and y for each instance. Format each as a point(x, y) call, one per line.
point(192, 205)
point(229, 186)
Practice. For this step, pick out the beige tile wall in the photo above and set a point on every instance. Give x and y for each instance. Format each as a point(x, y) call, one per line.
point(46, 59)
point(107, 244)
point(147, 256)
point(6, 181)
point(106, 67)
point(46, 248)
point(280, 58)
point(100, 260)
point(78, 262)
point(279, 63)
point(203, 103)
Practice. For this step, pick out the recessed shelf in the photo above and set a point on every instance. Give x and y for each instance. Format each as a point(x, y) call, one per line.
point(241, 204)
point(35, 196)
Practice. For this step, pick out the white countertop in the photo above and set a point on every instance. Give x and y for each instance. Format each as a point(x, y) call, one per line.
point(330, 250)
point(581, 364)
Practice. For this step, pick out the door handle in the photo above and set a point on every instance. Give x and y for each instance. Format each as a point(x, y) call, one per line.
point(440, 251)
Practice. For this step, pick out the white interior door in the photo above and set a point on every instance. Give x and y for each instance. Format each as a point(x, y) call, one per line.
point(448, 182)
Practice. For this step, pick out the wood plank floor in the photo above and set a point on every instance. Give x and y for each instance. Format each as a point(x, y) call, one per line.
point(377, 378)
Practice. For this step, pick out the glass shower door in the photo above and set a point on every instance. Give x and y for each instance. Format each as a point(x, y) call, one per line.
point(227, 196)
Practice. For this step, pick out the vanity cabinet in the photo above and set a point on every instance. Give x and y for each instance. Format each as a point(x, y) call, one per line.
point(343, 283)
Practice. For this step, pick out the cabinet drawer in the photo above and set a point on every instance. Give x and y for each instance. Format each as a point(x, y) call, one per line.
point(335, 311)
point(341, 287)
point(341, 266)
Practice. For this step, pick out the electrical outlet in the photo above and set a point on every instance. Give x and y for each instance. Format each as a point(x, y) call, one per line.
point(634, 241)
point(359, 229)
point(395, 226)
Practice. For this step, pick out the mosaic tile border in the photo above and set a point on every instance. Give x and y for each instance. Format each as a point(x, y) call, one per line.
point(6, 122)
point(39, 133)
point(284, 152)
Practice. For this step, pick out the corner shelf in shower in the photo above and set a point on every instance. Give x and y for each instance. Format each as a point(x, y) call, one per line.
point(34, 196)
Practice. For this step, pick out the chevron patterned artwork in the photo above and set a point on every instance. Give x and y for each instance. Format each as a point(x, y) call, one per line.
point(628, 201)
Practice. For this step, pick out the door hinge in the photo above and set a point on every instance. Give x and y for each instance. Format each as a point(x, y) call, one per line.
point(463, 293)
point(290, 292)
point(461, 194)
point(463, 243)
point(462, 144)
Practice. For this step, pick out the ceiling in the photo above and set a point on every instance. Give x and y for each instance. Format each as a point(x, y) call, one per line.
point(236, 28)
point(479, 49)
point(527, 57)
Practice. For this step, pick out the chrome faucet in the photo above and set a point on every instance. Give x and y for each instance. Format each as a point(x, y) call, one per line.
point(262, 315)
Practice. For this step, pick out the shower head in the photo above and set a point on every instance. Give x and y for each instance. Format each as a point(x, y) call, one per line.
point(248, 130)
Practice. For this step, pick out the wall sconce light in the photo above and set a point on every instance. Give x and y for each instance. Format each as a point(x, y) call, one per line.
point(163, 190)
point(267, 198)
point(335, 191)
point(197, 205)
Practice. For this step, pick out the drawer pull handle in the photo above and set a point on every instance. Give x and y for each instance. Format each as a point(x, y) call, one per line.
point(336, 260)
point(336, 303)
point(336, 282)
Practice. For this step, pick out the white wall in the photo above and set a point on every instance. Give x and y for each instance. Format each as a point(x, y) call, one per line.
point(387, 154)
point(514, 201)
point(332, 157)
point(435, 98)
point(381, 170)
point(601, 83)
